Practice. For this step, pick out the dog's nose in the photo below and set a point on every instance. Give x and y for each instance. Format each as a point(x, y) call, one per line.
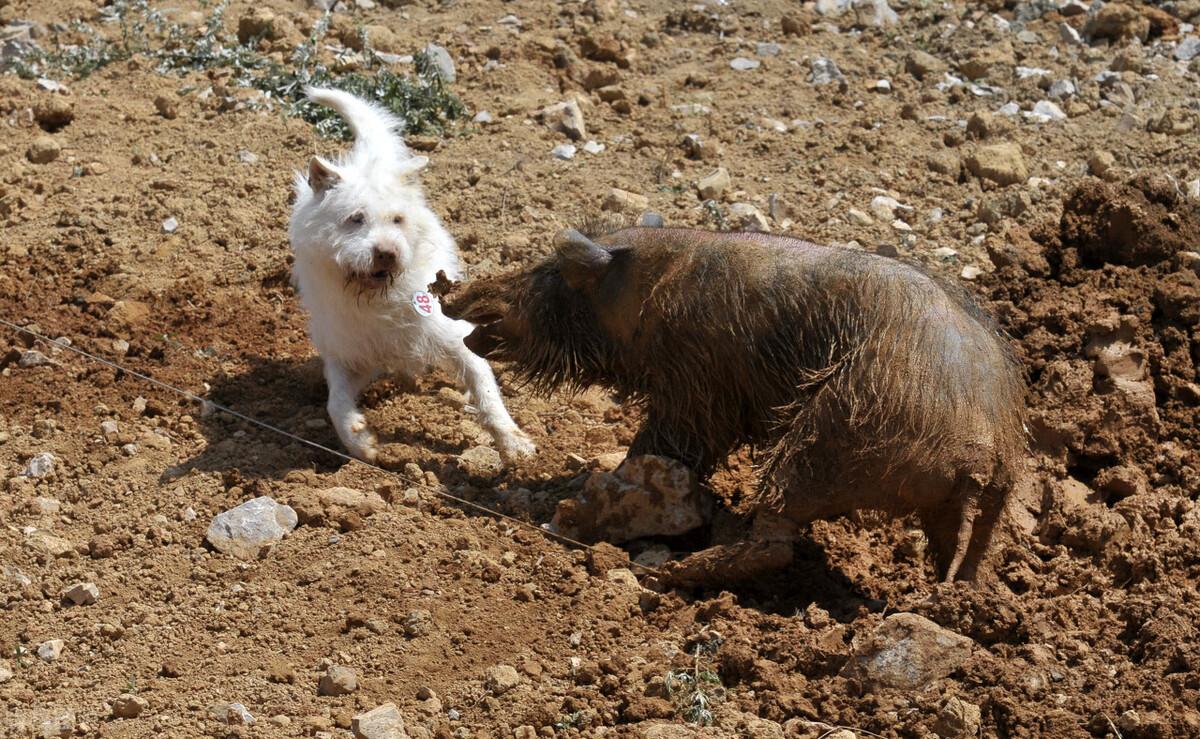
point(383, 260)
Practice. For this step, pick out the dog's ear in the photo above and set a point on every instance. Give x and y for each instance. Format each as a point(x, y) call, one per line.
point(409, 168)
point(582, 261)
point(322, 175)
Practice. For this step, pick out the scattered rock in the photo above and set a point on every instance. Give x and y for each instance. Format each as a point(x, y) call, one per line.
point(742, 64)
point(82, 593)
point(623, 201)
point(232, 714)
point(767, 48)
point(128, 705)
point(1188, 49)
point(48, 544)
point(60, 725)
point(1118, 22)
point(6, 672)
point(1101, 164)
point(417, 623)
point(825, 72)
point(1044, 111)
point(170, 225)
point(249, 530)
point(714, 184)
point(907, 652)
point(442, 62)
point(382, 722)
point(43, 150)
point(350, 499)
point(39, 465)
point(338, 680)
point(501, 679)
point(482, 116)
point(747, 217)
point(563, 152)
point(167, 106)
point(55, 111)
point(481, 461)
point(1003, 164)
point(697, 148)
point(51, 649)
point(566, 117)
point(645, 496)
point(958, 719)
point(922, 64)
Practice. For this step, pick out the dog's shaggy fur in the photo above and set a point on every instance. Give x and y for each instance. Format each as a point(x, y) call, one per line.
point(366, 244)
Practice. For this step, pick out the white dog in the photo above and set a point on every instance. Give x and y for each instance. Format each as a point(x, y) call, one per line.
point(367, 246)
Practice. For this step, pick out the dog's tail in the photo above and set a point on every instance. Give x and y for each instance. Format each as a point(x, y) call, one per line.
point(375, 129)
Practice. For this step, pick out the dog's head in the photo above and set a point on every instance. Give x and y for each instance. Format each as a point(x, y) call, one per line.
point(363, 217)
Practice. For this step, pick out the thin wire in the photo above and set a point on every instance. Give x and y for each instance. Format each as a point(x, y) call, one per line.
point(337, 453)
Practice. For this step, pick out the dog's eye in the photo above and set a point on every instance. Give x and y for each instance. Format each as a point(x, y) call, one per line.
point(398, 220)
point(357, 219)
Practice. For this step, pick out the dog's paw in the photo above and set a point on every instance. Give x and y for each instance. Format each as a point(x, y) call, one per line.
point(360, 441)
point(515, 446)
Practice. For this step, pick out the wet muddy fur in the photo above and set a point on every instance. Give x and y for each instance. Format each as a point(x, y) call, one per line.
point(866, 382)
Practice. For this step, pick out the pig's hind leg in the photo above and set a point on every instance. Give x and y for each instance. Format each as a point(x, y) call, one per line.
point(960, 529)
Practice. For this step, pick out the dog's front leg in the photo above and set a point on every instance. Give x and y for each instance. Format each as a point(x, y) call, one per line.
point(476, 376)
point(351, 425)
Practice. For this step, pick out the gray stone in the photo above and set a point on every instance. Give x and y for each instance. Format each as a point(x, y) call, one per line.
point(747, 217)
point(1069, 35)
point(1188, 49)
point(6, 672)
point(825, 72)
point(501, 679)
point(623, 201)
point(33, 358)
point(49, 544)
point(566, 117)
point(51, 649)
point(958, 719)
point(338, 680)
point(742, 64)
point(833, 8)
point(82, 593)
point(1044, 111)
point(39, 465)
point(767, 48)
point(442, 62)
point(382, 722)
point(907, 652)
point(248, 530)
point(170, 225)
point(1062, 89)
point(482, 117)
point(43, 150)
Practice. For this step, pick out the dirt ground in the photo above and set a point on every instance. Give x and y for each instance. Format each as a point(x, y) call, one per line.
point(1081, 234)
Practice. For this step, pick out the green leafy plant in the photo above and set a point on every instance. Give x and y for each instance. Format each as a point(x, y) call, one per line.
point(695, 691)
point(421, 100)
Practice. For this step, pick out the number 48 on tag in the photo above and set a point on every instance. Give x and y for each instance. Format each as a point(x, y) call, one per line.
point(422, 302)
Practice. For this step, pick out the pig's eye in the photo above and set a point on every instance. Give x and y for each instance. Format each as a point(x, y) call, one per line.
point(398, 220)
point(357, 219)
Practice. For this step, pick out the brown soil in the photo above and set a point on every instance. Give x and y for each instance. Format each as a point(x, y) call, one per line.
point(1096, 281)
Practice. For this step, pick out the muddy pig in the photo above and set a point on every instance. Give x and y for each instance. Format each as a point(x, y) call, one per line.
point(864, 381)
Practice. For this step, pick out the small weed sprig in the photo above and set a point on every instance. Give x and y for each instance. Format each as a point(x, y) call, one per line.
point(695, 691)
point(421, 100)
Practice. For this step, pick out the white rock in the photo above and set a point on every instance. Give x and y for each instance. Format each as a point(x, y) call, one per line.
point(1188, 49)
point(749, 218)
point(969, 272)
point(833, 8)
point(39, 465)
point(442, 63)
point(383, 722)
point(1193, 189)
point(593, 147)
point(82, 593)
point(232, 714)
point(876, 13)
point(1069, 35)
point(171, 225)
point(59, 725)
point(109, 428)
point(51, 649)
point(1062, 89)
point(6, 672)
point(907, 652)
point(481, 461)
point(714, 184)
point(563, 151)
point(767, 48)
point(482, 117)
point(567, 117)
point(249, 529)
point(1044, 111)
point(858, 218)
point(825, 72)
point(944, 252)
point(1024, 73)
point(742, 64)
point(338, 680)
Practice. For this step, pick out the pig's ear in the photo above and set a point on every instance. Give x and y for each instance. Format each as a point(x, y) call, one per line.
point(582, 261)
point(322, 175)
